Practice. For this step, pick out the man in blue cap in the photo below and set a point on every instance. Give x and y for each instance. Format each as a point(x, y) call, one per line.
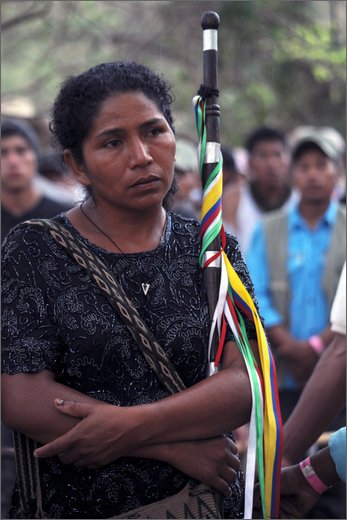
point(295, 259)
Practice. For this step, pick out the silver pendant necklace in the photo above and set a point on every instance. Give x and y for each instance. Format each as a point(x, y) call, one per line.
point(145, 286)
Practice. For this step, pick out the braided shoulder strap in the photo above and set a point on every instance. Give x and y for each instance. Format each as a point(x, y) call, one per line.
point(98, 271)
point(28, 478)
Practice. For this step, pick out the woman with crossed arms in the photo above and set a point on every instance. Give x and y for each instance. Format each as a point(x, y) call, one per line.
point(74, 379)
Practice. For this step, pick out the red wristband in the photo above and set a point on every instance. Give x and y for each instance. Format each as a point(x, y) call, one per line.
point(317, 344)
point(312, 477)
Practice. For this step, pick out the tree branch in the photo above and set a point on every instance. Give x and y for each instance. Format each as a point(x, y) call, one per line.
point(16, 20)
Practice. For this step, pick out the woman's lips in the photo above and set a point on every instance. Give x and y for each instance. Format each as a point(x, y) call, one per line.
point(145, 181)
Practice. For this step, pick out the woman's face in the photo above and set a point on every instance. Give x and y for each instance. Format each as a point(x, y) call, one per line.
point(128, 154)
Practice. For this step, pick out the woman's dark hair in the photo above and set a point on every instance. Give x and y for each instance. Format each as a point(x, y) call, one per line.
point(81, 96)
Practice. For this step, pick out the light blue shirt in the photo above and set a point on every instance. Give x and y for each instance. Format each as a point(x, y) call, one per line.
point(337, 446)
point(308, 308)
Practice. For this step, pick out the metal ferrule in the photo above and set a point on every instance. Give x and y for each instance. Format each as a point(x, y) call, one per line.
point(212, 153)
point(212, 369)
point(210, 39)
point(216, 262)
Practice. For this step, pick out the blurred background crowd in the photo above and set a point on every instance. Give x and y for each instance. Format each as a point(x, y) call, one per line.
point(282, 98)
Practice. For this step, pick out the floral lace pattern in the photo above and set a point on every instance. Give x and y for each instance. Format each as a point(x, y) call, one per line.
point(55, 318)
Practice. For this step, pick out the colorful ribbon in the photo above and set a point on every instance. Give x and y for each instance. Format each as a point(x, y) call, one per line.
point(265, 432)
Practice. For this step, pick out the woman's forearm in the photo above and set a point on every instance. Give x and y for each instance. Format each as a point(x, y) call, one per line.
point(28, 405)
point(105, 432)
point(163, 452)
point(211, 461)
point(212, 407)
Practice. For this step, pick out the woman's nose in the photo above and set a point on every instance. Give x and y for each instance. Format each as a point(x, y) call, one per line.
point(139, 153)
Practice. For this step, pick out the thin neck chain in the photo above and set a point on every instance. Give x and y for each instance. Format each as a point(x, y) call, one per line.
point(101, 231)
point(105, 234)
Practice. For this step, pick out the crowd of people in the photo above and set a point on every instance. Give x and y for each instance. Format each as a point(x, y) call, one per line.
point(109, 439)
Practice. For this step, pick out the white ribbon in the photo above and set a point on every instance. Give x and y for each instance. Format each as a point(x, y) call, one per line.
point(252, 436)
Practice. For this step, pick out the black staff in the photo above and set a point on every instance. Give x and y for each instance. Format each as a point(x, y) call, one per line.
point(209, 91)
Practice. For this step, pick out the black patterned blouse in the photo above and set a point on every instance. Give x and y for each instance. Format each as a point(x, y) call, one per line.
point(55, 318)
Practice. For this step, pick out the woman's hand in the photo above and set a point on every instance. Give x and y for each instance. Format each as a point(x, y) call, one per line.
point(105, 433)
point(211, 461)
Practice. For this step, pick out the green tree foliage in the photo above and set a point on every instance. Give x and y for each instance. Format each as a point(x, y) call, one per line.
point(280, 62)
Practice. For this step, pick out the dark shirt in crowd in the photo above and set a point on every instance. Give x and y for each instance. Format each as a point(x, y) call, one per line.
point(46, 208)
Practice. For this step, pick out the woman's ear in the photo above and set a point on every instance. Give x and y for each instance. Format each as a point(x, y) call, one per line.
point(77, 168)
